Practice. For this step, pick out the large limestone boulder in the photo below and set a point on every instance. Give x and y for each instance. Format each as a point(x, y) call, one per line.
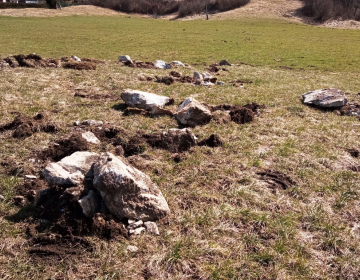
point(192, 113)
point(143, 100)
point(70, 170)
point(329, 97)
point(128, 192)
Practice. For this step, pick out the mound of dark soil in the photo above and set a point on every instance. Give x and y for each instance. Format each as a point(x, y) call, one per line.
point(276, 179)
point(25, 126)
point(350, 109)
point(175, 74)
point(355, 153)
point(214, 68)
point(65, 147)
point(213, 141)
point(132, 146)
point(167, 80)
point(140, 64)
point(108, 133)
point(31, 61)
point(83, 65)
point(242, 115)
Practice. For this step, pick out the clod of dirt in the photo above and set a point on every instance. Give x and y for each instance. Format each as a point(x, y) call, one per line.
point(165, 80)
point(350, 109)
point(19, 200)
point(140, 64)
point(175, 74)
point(135, 111)
point(65, 147)
point(132, 146)
point(221, 117)
point(355, 153)
point(108, 133)
point(83, 65)
point(214, 68)
point(242, 115)
point(28, 189)
point(276, 179)
point(241, 82)
point(213, 141)
point(254, 107)
point(25, 126)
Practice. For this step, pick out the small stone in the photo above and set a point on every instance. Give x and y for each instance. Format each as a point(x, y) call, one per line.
point(132, 249)
point(130, 221)
point(30, 177)
point(1, 197)
point(19, 200)
point(125, 58)
point(162, 64)
point(136, 231)
point(178, 63)
point(192, 113)
point(197, 76)
point(89, 204)
point(152, 228)
point(32, 160)
point(135, 225)
point(76, 123)
point(90, 137)
point(74, 57)
point(92, 123)
point(119, 150)
point(220, 83)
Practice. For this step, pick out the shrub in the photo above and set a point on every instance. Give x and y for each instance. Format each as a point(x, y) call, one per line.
point(9, 5)
point(325, 9)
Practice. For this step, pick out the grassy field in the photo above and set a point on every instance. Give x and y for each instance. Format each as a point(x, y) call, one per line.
point(261, 42)
point(226, 222)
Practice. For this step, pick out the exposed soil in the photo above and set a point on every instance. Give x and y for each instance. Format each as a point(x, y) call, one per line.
point(132, 146)
point(36, 61)
point(130, 111)
point(65, 147)
point(276, 179)
point(213, 141)
point(242, 115)
point(241, 82)
point(214, 68)
point(140, 64)
point(350, 109)
point(29, 187)
point(167, 80)
point(24, 126)
point(112, 97)
point(108, 132)
point(175, 74)
point(355, 153)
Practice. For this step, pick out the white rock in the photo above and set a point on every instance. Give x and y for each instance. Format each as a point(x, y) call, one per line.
point(206, 76)
point(152, 228)
point(162, 64)
point(30, 177)
point(136, 231)
point(179, 63)
point(130, 221)
point(74, 57)
point(135, 225)
point(2, 198)
point(70, 170)
point(329, 97)
point(132, 249)
point(76, 123)
point(92, 123)
point(206, 84)
point(125, 58)
point(191, 113)
point(89, 204)
point(143, 100)
point(197, 76)
point(220, 83)
point(90, 137)
point(128, 192)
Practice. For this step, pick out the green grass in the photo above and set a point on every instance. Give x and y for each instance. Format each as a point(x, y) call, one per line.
point(255, 41)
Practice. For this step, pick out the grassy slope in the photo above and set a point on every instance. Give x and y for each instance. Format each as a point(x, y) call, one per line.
point(255, 41)
point(225, 223)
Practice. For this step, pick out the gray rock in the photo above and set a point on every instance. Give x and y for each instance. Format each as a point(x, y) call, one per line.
point(143, 100)
point(125, 58)
point(90, 204)
point(192, 113)
point(76, 123)
point(225, 63)
point(92, 123)
point(162, 64)
point(220, 83)
point(135, 225)
point(30, 177)
point(128, 192)
point(90, 137)
point(132, 249)
point(152, 228)
point(197, 76)
point(327, 98)
point(178, 63)
point(2, 198)
point(70, 170)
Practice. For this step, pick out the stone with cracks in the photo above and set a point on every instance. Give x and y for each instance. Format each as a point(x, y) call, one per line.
point(125, 58)
point(128, 192)
point(327, 98)
point(143, 100)
point(70, 170)
point(192, 113)
point(162, 64)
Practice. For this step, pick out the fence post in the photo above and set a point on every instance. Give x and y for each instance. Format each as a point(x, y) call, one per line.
point(207, 14)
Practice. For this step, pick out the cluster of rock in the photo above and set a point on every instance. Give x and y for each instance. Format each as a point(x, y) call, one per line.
point(158, 64)
point(112, 185)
